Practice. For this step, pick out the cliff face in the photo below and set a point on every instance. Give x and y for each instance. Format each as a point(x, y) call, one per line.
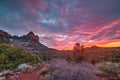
point(32, 36)
point(30, 41)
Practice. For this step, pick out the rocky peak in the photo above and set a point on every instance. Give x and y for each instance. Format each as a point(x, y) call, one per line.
point(31, 35)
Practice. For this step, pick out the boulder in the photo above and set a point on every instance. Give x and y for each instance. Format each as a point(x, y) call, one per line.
point(24, 67)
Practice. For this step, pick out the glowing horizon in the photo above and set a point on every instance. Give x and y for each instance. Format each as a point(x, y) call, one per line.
point(112, 44)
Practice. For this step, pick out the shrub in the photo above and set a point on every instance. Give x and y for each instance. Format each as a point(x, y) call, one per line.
point(109, 69)
point(11, 56)
point(115, 57)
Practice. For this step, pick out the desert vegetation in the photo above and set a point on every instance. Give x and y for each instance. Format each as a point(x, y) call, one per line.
point(11, 56)
point(59, 69)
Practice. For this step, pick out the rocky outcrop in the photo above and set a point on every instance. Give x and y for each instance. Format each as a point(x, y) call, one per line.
point(30, 42)
point(5, 34)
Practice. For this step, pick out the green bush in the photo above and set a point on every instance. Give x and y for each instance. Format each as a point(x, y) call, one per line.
point(11, 57)
point(110, 67)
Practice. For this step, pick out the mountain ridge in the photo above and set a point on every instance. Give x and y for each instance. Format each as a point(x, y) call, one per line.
point(30, 41)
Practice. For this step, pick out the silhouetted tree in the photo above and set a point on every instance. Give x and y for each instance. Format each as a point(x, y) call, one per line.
point(77, 53)
point(76, 48)
point(77, 57)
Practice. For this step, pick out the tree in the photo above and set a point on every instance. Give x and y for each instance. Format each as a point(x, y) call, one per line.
point(77, 57)
point(76, 48)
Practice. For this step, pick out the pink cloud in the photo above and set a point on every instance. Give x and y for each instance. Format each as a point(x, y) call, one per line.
point(73, 35)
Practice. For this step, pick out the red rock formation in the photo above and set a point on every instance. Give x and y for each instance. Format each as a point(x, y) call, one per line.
point(5, 34)
point(31, 35)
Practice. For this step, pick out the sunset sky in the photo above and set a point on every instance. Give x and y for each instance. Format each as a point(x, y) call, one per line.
point(62, 23)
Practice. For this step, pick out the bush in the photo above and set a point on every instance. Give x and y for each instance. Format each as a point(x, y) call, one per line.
point(11, 56)
point(115, 57)
point(60, 70)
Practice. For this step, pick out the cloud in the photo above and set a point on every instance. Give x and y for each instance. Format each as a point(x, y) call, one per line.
point(61, 23)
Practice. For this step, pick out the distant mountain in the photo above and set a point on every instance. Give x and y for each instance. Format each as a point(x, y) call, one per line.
point(30, 41)
point(97, 48)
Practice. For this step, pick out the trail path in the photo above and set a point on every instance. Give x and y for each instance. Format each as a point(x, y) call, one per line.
point(26, 76)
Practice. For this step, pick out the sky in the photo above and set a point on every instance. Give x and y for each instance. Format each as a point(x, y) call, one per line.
point(62, 23)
